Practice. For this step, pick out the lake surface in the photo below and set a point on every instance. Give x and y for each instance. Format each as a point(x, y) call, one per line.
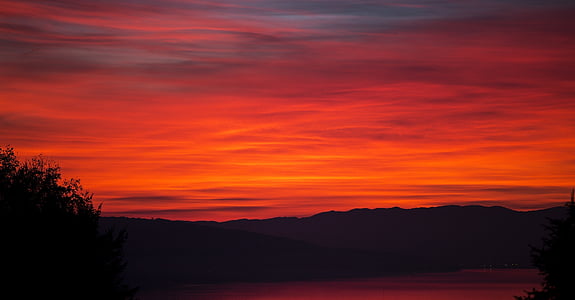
point(467, 284)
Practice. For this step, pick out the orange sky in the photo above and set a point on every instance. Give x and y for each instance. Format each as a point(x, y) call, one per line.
point(250, 109)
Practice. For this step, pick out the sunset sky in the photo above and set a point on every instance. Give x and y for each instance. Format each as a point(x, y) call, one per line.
point(218, 110)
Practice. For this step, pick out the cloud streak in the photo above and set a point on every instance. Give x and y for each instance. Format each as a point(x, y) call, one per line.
point(294, 107)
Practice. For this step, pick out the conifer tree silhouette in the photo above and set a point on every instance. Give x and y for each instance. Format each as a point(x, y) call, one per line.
point(556, 259)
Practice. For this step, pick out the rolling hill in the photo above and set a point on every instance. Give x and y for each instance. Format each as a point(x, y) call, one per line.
point(356, 243)
point(464, 236)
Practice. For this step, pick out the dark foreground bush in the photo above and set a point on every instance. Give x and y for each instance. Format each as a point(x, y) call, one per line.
point(50, 244)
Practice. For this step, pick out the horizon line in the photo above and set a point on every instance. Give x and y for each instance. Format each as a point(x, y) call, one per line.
point(136, 213)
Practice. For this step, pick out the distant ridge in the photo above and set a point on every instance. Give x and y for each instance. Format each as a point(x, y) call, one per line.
point(356, 243)
point(466, 236)
point(161, 252)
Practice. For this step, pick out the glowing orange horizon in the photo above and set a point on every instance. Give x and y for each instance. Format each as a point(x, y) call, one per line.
point(211, 110)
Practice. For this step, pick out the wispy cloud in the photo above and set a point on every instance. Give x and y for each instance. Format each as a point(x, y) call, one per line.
point(295, 106)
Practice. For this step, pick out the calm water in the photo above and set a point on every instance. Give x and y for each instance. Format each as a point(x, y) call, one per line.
point(468, 284)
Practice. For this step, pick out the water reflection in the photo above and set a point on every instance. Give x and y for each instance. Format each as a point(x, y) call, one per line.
point(469, 284)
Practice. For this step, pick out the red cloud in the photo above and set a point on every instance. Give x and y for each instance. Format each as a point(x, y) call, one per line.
point(294, 109)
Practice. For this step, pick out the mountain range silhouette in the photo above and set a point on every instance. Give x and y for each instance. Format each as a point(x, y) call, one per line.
point(355, 243)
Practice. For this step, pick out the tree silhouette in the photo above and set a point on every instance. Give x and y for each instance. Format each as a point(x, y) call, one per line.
point(556, 259)
point(50, 243)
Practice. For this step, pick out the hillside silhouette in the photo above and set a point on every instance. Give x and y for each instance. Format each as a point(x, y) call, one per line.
point(463, 236)
point(357, 243)
point(163, 252)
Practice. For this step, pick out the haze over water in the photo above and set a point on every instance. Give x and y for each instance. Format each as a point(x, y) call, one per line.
point(467, 284)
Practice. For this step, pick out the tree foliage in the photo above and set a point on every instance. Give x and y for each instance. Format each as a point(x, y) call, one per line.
point(555, 260)
point(51, 244)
